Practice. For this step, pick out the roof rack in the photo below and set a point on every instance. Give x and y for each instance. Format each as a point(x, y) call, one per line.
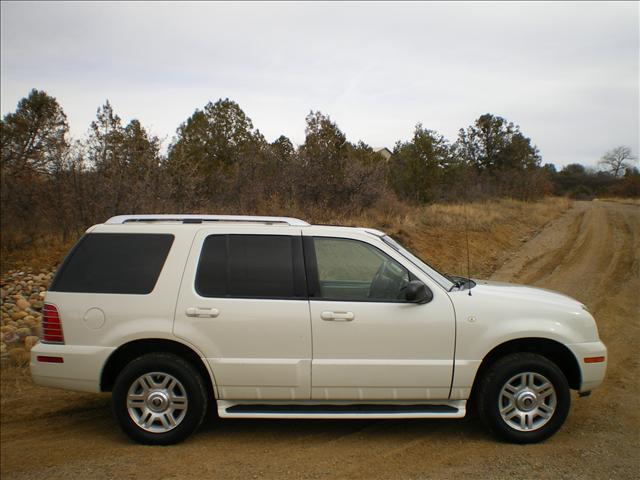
point(194, 218)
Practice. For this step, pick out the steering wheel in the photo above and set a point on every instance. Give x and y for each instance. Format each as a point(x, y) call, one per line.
point(384, 282)
point(380, 274)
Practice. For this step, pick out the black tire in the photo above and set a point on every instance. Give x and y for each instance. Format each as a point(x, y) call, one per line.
point(191, 384)
point(497, 376)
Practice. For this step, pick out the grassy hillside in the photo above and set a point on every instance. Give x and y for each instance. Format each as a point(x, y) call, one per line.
point(435, 232)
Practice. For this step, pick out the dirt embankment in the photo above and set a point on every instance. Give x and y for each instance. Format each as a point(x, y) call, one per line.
point(592, 252)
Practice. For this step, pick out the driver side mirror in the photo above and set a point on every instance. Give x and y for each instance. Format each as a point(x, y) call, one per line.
point(417, 292)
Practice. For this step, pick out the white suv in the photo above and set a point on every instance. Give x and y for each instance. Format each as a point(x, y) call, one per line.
point(271, 317)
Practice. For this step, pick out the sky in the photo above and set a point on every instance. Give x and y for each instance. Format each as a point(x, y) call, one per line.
point(566, 73)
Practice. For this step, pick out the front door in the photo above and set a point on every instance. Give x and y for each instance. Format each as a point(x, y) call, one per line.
point(243, 303)
point(368, 342)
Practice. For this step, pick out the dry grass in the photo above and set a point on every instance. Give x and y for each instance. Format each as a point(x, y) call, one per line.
point(624, 200)
point(496, 229)
point(477, 216)
point(435, 232)
point(482, 217)
point(43, 254)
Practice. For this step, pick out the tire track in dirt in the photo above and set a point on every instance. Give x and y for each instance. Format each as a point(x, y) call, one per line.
point(543, 264)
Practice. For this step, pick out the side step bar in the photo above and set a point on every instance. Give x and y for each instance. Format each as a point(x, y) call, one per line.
point(443, 409)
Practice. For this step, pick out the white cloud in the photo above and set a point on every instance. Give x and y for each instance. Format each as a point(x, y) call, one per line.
point(566, 72)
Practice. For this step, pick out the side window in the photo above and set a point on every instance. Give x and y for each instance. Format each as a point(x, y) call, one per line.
point(251, 266)
point(353, 270)
point(127, 263)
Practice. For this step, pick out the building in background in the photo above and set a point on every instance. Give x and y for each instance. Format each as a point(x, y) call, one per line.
point(384, 151)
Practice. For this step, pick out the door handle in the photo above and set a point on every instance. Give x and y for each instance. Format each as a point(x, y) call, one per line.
point(337, 316)
point(202, 312)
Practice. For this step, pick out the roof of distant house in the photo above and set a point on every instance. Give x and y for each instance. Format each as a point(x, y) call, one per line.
point(384, 151)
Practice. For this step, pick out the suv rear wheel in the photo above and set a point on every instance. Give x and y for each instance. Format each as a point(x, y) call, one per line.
point(523, 398)
point(159, 399)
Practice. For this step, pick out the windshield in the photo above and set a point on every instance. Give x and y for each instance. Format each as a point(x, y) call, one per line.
point(433, 273)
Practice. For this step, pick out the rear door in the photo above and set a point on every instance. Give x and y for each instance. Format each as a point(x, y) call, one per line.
point(368, 342)
point(243, 302)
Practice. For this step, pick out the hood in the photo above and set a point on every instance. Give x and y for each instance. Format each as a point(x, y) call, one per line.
point(525, 293)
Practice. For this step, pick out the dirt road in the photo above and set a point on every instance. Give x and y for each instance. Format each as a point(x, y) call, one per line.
point(592, 253)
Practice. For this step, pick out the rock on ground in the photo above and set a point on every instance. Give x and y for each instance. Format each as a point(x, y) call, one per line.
point(21, 301)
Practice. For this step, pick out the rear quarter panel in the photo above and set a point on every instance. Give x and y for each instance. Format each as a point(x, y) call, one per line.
point(110, 320)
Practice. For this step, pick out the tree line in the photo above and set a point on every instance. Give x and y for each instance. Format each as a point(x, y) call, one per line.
point(219, 162)
point(582, 183)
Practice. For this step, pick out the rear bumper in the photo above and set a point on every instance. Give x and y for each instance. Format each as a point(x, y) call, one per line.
point(592, 373)
point(81, 366)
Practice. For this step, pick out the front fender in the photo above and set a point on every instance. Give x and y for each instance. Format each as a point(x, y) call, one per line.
point(478, 336)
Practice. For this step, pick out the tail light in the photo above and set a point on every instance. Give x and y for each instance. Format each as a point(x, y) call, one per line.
point(51, 325)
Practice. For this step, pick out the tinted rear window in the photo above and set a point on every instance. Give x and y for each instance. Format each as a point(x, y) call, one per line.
point(114, 263)
point(259, 266)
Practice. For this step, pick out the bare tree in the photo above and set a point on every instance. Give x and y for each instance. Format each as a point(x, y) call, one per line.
point(616, 161)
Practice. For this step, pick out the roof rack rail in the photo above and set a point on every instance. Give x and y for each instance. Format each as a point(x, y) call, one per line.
point(194, 218)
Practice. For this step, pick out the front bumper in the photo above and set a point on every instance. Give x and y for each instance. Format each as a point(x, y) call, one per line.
point(81, 368)
point(592, 373)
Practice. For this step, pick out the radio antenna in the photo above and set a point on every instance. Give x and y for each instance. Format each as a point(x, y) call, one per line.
point(466, 231)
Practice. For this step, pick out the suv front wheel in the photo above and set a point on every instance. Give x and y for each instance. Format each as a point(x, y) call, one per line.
point(159, 399)
point(523, 398)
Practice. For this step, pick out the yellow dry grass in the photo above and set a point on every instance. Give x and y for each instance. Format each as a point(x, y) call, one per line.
point(624, 200)
point(496, 229)
point(43, 254)
point(434, 232)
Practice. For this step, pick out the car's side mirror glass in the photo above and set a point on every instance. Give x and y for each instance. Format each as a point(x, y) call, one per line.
point(417, 292)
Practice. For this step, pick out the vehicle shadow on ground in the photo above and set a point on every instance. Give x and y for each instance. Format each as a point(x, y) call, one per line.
point(256, 431)
point(292, 430)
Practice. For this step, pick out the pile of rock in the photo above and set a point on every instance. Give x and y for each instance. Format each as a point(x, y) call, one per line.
point(21, 300)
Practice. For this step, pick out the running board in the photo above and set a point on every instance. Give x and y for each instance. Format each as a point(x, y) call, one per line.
point(323, 410)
